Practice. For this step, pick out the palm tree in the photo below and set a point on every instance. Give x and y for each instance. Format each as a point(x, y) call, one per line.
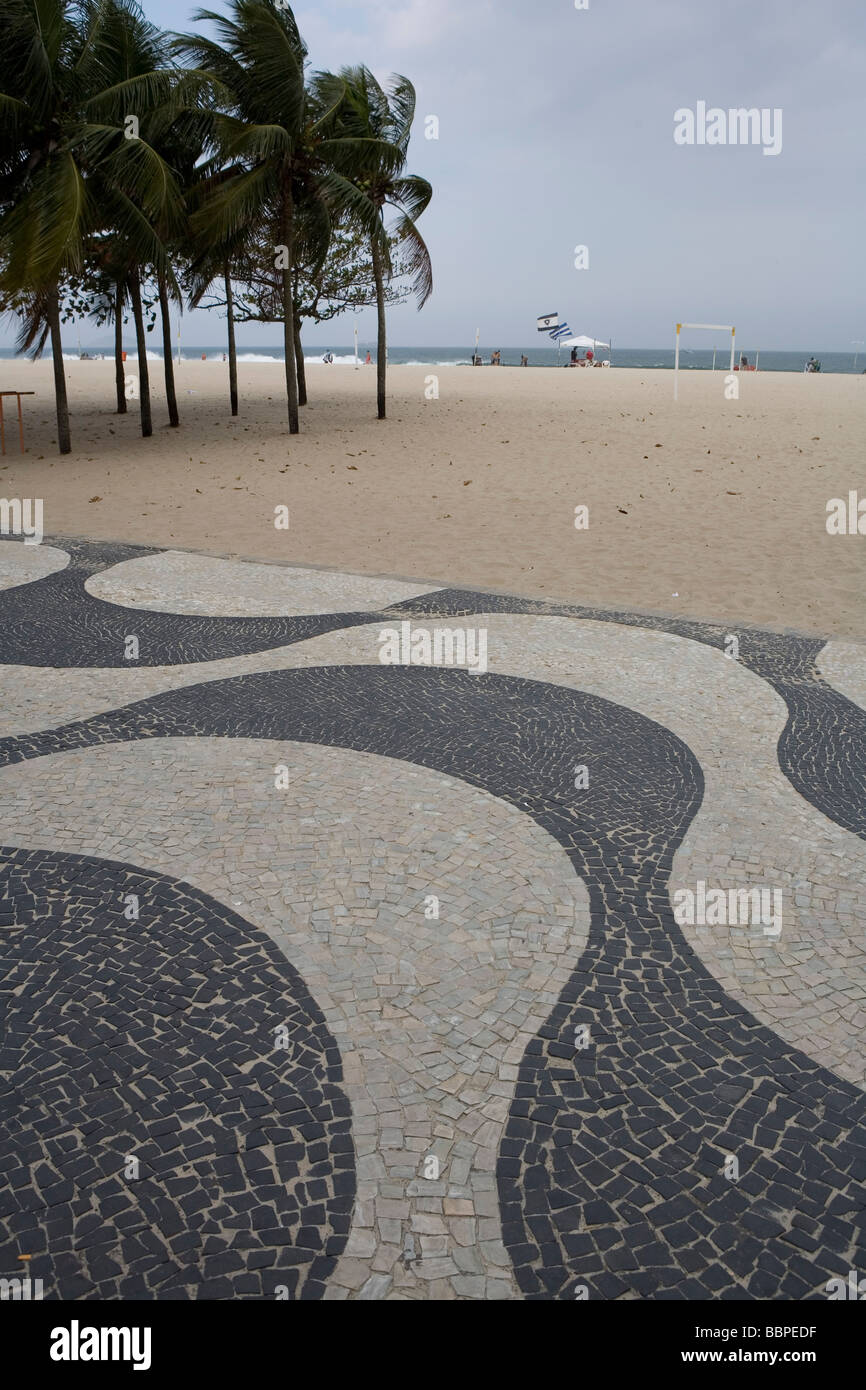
point(279, 136)
point(139, 50)
point(384, 118)
point(66, 171)
point(209, 262)
point(180, 130)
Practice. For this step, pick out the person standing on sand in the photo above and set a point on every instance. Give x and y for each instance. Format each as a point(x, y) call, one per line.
point(368, 361)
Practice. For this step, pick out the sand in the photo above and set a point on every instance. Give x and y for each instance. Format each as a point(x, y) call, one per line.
point(708, 508)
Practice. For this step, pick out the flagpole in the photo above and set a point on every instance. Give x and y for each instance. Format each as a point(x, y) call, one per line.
point(477, 339)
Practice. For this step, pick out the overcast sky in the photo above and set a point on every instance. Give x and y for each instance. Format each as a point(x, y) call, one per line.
point(556, 129)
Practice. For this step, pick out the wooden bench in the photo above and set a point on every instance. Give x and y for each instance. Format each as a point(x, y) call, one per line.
point(18, 394)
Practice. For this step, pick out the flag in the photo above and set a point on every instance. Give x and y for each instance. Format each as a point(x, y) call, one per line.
point(562, 331)
point(548, 321)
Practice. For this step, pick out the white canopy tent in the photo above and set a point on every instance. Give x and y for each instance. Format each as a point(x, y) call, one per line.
point(580, 340)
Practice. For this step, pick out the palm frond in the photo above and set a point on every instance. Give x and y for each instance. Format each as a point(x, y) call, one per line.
point(412, 194)
point(416, 258)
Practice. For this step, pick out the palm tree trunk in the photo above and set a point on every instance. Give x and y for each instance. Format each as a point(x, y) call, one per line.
point(63, 441)
point(288, 229)
point(381, 346)
point(168, 363)
point(143, 376)
point(299, 362)
point(233, 352)
point(119, 374)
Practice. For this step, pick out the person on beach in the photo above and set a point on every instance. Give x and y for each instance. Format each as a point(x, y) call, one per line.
point(589, 354)
point(328, 358)
point(368, 361)
point(524, 360)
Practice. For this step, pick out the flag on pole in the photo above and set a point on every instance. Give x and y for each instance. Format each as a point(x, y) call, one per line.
point(562, 331)
point(548, 321)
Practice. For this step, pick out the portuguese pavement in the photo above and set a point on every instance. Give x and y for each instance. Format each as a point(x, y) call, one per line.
point(331, 978)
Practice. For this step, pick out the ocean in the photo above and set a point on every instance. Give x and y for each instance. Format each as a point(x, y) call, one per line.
point(691, 359)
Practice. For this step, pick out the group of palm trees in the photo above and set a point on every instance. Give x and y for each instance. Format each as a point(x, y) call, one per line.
point(135, 162)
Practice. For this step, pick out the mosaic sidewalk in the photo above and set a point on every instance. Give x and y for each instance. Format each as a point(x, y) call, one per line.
point(324, 978)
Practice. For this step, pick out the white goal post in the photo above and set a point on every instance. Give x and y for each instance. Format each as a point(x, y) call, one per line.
point(714, 327)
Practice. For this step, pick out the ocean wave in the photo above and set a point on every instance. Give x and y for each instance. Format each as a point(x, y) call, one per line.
point(348, 361)
point(108, 356)
point(392, 362)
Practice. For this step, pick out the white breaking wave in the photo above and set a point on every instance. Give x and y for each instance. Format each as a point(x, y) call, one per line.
point(392, 362)
point(338, 361)
point(348, 360)
point(108, 356)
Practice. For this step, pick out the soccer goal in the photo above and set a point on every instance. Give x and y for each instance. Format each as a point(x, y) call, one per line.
point(713, 327)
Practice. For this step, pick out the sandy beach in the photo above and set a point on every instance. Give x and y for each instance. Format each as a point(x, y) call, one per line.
point(705, 507)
